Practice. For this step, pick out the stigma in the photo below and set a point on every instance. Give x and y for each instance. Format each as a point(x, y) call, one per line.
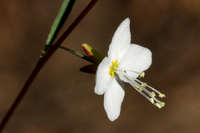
point(113, 68)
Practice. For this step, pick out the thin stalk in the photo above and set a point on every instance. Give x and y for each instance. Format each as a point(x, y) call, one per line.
point(42, 61)
point(78, 54)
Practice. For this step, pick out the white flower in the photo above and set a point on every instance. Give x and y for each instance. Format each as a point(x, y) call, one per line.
point(125, 62)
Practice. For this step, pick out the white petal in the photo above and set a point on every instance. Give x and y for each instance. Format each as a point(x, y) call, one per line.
point(113, 99)
point(120, 41)
point(102, 76)
point(136, 60)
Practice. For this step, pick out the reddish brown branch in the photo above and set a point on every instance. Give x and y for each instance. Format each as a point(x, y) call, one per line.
point(42, 61)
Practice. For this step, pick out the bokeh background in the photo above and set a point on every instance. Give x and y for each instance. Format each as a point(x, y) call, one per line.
point(62, 100)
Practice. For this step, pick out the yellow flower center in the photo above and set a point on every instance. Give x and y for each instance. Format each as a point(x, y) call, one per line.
point(113, 68)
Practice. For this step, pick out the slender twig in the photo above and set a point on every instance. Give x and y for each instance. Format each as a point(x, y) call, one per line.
point(42, 61)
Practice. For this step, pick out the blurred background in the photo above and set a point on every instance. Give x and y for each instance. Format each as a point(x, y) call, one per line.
point(62, 98)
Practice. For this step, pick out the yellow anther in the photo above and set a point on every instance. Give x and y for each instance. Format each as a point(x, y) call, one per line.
point(113, 68)
point(115, 63)
point(152, 100)
point(144, 84)
point(153, 94)
point(142, 75)
point(111, 73)
point(161, 95)
point(138, 87)
point(163, 104)
point(160, 105)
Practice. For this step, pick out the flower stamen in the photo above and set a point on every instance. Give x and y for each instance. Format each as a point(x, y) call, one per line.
point(150, 95)
point(161, 95)
point(142, 75)
point(113, 68)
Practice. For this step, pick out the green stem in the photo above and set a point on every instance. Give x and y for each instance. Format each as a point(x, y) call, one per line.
point(78, 54)
point(42, 61)
point(59, 21)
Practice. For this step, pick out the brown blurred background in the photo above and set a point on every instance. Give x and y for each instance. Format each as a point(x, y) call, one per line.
point(62, 100)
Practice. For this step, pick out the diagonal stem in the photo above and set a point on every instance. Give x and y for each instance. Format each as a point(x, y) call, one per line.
point(42, 61)
point(78, 54)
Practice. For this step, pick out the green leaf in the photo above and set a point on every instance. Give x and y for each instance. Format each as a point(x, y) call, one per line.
point(59, 21)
